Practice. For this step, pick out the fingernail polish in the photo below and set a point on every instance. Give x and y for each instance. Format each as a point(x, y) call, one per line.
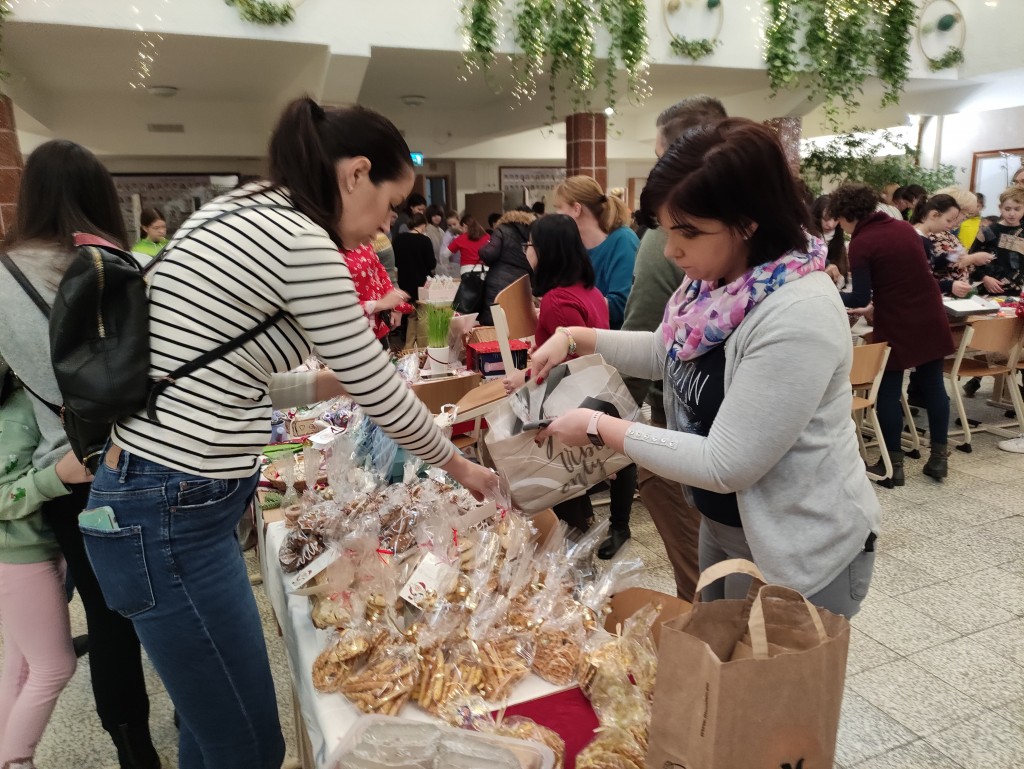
point(540, 381)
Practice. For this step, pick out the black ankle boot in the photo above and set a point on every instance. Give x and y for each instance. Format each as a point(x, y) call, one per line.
point(938, 463)
point(616, 539)
point(898, 478)
point(135, 747)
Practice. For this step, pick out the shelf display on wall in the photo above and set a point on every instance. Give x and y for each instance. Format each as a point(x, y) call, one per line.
point(176, 196)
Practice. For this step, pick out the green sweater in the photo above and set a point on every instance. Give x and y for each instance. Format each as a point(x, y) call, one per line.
point(655, 279)
point(24, 536)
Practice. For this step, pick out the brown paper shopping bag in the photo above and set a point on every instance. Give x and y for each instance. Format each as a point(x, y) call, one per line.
point(539, 477)
point(749, 684)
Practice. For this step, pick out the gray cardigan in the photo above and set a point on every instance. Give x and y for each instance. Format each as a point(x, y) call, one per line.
point(783, 439)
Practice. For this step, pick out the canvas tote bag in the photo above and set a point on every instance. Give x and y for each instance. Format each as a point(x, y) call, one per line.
point(749, 684)
point(540, 477)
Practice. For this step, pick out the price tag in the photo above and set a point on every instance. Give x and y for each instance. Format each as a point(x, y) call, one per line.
point(298, 579)
point(432, 577)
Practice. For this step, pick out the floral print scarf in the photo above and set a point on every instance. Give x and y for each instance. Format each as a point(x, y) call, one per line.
point(700, 315)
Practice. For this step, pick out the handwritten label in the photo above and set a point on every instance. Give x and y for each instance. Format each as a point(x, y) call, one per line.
point(295, 581)
point(432, 577)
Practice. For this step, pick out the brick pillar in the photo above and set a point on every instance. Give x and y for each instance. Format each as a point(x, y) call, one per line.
point(10, 166)
point(789, 131)
point(586, 148)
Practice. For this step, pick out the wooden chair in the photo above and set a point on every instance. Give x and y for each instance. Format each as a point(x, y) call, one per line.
point(866, 377)
point(514, 317)
point(1000, 337)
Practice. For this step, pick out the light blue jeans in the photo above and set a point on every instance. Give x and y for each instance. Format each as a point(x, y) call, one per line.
point(174, 568)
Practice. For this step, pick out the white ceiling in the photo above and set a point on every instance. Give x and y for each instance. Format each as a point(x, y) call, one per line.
point(74, 82)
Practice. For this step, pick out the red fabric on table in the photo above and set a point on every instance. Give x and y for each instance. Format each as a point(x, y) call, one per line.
point(569, 713)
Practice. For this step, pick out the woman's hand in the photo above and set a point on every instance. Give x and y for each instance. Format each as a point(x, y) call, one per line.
point(71, 471)
point(570, 428)
point(833, 272)
point(548, 355)
point(391, 299)
point(960, 288)
point(515, 380)
point(481, 481)
point(992, 285)
point(976, 259)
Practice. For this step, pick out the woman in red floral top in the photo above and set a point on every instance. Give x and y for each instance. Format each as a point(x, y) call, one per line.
point(381, 301)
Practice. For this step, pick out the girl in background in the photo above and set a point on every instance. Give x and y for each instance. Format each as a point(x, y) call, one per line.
point(467, 245)
point(154, 234)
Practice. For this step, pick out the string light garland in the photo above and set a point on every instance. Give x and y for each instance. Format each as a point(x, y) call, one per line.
point(562, 34)
point(843, 43)
point(147, 52)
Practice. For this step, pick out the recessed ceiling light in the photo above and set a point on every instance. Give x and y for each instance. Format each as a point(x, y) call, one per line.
point(162, 91)
point(413, 100)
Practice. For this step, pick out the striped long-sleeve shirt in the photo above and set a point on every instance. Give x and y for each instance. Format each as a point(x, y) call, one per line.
point(223, 279)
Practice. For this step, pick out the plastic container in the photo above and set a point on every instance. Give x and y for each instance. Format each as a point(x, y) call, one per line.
point(531, 755)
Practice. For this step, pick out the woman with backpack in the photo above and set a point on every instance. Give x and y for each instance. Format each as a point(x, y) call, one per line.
point(41, 249)
point(178, 483)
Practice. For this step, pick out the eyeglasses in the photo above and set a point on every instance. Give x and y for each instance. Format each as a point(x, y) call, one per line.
point(527, 245)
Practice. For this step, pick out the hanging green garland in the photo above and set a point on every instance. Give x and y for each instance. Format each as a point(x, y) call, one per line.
point(893, 51)
point(562, 34)
point(480, 32)
point(844, 43)
point(698, 48)
point(264, 11)
point(953, 57)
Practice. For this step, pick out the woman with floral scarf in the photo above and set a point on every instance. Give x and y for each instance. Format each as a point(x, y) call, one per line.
point(755, 352)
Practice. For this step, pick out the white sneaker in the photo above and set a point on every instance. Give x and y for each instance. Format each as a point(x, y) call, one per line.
point(1015, 445)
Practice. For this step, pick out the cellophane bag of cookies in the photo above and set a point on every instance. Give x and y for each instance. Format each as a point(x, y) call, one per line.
point(344, 650)
point(386, 681)
point(558, 643)
point(523, 728)
point(608, 658)
point(612, 748)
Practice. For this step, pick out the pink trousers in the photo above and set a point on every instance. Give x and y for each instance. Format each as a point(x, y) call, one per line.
point(38, 656)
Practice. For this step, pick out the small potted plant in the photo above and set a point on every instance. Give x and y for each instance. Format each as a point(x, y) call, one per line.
point(439, 318)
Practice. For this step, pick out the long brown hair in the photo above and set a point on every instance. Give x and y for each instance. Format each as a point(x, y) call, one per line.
point(610, 212)
point(473, 229)
point(309, 140)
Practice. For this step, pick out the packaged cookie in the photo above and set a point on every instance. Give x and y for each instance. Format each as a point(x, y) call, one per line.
point(343, 651)
point(386, 681)
point(558, 644)
point(523, 728)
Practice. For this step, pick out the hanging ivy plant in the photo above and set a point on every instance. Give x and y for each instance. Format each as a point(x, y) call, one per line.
point(692, 49)
point(264, 11)
point(699, 48)
point(5, 11)
point(844, 43)
point(562, 34)
point(780, 45)
point(953, 57)
point(626, 22)
point(893, 50)
point(571, 45)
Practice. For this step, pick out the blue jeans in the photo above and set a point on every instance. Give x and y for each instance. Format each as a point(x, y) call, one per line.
point(928, 380)
point(174, 568)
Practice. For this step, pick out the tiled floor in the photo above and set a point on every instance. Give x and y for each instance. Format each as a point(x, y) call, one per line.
point(936, 667)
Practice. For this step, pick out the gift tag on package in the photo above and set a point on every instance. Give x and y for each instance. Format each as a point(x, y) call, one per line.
point(432, 577)
point(298, 579)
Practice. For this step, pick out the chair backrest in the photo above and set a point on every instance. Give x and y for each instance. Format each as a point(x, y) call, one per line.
point(516, 300)
point(996, 335)
point(513, 317)
point(868, 361)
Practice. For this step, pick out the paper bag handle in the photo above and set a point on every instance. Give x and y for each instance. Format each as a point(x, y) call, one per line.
point(723, 569)
point(756, 623)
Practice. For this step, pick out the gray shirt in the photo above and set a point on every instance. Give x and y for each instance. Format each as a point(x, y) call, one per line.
point(25, 341)
point(783, 439)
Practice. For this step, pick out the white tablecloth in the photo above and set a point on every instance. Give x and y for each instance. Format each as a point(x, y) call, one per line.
point(328, 717)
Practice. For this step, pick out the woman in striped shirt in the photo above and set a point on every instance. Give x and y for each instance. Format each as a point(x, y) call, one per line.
point(179, 484)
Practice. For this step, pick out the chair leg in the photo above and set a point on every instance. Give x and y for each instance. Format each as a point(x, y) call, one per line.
point(1018, 401)
point(886, 460)
point(908, 418)
point(958, 398)
point(858, 423)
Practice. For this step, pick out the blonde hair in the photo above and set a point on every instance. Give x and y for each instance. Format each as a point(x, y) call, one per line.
point(964, 198)
point(610, 212)
point(1016, 194)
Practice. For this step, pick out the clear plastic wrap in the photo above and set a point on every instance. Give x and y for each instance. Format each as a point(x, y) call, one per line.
point(612, 748)
point(343, 651)
point(523, 728)
point(387, 680)
point(559, 644)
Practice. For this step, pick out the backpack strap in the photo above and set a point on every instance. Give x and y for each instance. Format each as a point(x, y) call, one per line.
point(157, 388)
point(26, 285)
point(205, 223)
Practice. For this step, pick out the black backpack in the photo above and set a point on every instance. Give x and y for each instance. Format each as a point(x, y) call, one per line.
point(99, 340)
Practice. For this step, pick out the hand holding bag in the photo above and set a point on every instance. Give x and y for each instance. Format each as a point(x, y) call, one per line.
point(542, 476)
point(749, 684)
